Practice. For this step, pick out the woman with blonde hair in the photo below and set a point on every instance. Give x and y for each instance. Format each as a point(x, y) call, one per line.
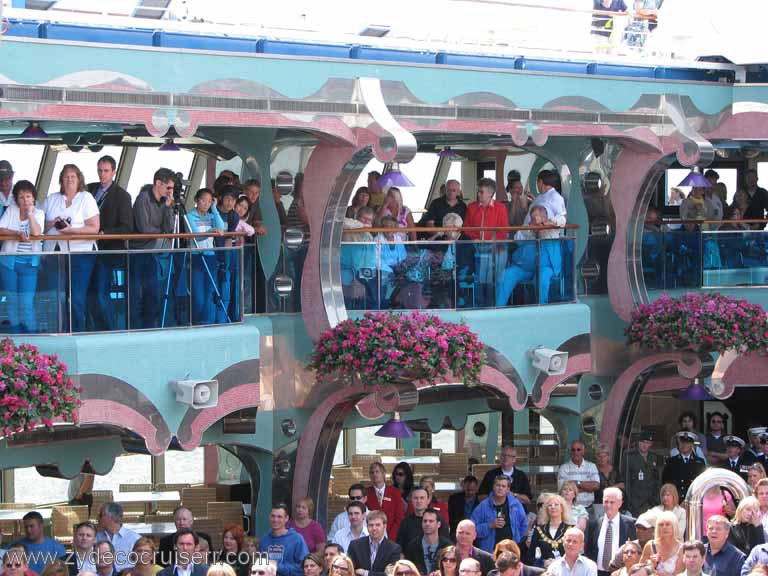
point(548, 535)
point(755, 473)
point(309, 529)
point(393, 206)
point(664, 551)
point(341, 565)
point(145, 557)
point(220, 569)
point(746, 530)
point(405, 568)
point(579, 515)
point(670, 502)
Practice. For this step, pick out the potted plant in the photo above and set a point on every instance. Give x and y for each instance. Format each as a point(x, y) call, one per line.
point(34, 389)
point(383, 348)
point(699, 322)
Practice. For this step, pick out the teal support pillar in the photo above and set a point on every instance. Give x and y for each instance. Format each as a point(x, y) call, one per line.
point(492, 437)
point(261, 514)
point(522, 422)
point(409, 444)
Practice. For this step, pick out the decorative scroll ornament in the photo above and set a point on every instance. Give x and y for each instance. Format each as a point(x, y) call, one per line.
point(396, 144)
point(694, 150)
point(163, 120)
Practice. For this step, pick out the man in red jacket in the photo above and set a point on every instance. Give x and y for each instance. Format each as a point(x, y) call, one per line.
point(381, 496)
point(490, 258)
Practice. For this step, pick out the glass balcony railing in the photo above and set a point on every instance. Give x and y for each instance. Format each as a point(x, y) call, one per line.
point(103, 291)
point(382, 274)
point(679, 258)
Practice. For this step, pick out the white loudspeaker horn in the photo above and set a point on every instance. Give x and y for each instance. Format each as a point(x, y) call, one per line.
point(196, 393)
point(551, 362)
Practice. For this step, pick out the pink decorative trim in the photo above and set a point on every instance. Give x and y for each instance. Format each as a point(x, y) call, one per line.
point(491, 377)
point(688, 365)
point(237, 398)
point(578, 364)
point(116, 414)
point(747, 370)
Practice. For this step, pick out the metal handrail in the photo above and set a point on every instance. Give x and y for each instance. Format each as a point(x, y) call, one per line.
point(435, 229)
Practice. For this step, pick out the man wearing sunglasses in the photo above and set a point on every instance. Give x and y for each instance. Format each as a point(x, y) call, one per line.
point(356, 493)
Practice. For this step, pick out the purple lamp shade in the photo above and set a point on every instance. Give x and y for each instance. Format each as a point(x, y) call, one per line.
point(395, 428)
point(169, 146)
point(447, 153)
point(695, 178)
point(393, 177)
point(34, 130)
point(695, 392)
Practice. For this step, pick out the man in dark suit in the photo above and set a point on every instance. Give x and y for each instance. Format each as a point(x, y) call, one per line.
point(184, 565)
point(466, 533)
point(79, 560)
point(758, 199)
point(519, 485)
point(685, 466)
point(508, 564)
point(373, 553)
point(733, 461)
point(182, 518)
point(462, 504)
point(423, 551)
point(115, 217)
point(607, 534)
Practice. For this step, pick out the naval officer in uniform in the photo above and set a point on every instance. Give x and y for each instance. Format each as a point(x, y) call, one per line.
point(683, 468)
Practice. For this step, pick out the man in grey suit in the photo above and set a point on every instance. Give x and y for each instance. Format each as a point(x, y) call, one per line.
point(371, 554)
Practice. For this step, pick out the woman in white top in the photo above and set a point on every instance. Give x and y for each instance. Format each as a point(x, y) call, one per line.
point(393, 206)
point(19, 263)
point(73, 212)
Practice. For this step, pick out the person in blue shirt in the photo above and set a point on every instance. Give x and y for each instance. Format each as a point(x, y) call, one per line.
point(500, 516)
point(41, 550)
point(284, 545)
point(204, 218)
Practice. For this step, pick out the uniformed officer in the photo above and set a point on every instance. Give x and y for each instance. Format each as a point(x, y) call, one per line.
point(754, 452)
point(734, 462)
point(683, 468)
point(640, 473)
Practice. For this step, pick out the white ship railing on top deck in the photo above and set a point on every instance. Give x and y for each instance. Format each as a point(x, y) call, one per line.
point(557, 29)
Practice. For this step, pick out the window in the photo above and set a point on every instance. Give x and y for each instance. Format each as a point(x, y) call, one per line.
point(24, 158)
point(338, 456)
point(147, 162)
point(445, 440)
point(128, 469)
point(420, 171)
point(31, 487)
point(367, 443)
point(184, 467)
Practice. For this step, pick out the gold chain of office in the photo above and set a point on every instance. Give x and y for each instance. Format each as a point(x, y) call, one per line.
point(545, 537)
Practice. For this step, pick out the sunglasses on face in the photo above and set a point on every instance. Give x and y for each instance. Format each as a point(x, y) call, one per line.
point(340, 568)
point(399, 473)
point(404, 573)
point(357, 498)
point(449, 559)
point(13, 565)
point(260, 572)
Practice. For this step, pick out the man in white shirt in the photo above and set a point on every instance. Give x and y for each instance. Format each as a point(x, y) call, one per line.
point(113, 531)
point(550, 198)
point(606, 535)
point(693, 558)
point(356, 493)
point(581, 471)
point(357, 527)
point(572, 563)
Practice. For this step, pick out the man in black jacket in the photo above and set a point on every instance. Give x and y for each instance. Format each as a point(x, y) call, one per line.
point(519, 485)
point(373, 553)
point(462, 504)
point(411, 526)
point(758, 200)
point(115, 217)
point(423, 551)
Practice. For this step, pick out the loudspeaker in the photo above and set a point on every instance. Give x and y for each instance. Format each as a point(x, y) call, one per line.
point(196, 393)
point(552, 362)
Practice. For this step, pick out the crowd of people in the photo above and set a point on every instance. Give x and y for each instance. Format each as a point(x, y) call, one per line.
point(104, 207)
point(677, 253)
point(600, 521)
point(381, 272)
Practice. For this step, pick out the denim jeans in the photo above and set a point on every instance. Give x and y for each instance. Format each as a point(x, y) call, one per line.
point(148, 272)
point(19, 285)
point(81, 268)
point(202, 288)
point(105, 312)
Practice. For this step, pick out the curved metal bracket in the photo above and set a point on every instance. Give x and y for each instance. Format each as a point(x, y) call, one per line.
point(524, 133)
point(396, 144)
point(694, 149)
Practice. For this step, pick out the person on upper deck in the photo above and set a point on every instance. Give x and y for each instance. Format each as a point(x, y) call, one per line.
point(486, 212)
point(115, 217)
point(393, 206)
point(602, 24)
point(74, 212)
point(19, 264)
point(152, 214)
point(375, 193)
point(6, 185)
point(758, 199)
point(450, 203)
